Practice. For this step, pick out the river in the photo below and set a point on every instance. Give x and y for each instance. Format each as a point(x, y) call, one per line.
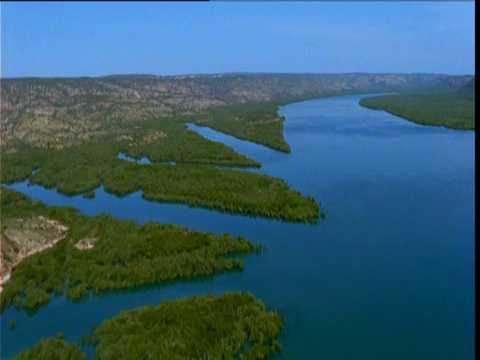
point(389, 274)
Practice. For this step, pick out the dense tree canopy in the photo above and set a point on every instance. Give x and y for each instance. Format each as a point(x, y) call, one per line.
point(52, 349)
point(448, 110)
point(81, 169)
point(124, 254)
point(201, 327)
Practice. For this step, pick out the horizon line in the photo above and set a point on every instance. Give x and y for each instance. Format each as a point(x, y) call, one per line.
point(232, 73)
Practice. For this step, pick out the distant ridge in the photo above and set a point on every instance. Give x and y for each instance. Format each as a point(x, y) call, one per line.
point(47, 111)
point(447, 77)
point(451, 83)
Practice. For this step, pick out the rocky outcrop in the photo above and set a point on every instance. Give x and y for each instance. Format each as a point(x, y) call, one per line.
point(23, 237)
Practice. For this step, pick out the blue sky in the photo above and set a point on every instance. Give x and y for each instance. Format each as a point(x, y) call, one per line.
point(95, 39)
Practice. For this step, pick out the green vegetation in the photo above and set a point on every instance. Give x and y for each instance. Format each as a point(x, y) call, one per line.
point(80, 169)
point(52, 349)
point(201, 327)
point(165, 140)
point(448, 110)
point(257, 122)
point(102, 253)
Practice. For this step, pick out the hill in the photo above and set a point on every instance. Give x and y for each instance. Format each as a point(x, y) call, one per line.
point(61, 112)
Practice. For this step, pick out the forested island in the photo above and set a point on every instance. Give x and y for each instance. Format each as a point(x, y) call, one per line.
point(103, 253)
point(194, 328)
point(201, 327)
point(451, 109)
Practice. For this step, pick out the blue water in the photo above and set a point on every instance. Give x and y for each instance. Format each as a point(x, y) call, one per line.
point(388, 275)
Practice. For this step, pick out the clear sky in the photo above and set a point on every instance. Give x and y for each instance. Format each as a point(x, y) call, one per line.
point(95, 39)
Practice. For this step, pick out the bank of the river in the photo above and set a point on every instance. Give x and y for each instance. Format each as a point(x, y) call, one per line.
point(447, 110)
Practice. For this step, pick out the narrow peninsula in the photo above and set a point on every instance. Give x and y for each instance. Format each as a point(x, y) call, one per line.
point(101, 253)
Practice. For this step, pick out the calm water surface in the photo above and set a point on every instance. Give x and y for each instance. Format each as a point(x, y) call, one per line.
point(388, 275)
